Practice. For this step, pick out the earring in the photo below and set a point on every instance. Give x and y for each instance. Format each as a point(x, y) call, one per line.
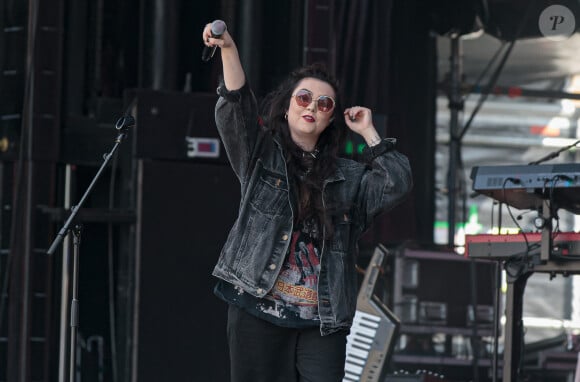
point(286, 116)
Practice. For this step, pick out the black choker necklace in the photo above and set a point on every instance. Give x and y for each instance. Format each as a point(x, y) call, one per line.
point(314, 153)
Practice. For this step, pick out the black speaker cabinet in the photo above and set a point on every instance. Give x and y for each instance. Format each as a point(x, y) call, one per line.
point(434, 289)
point(185, 210)
point(176, 126)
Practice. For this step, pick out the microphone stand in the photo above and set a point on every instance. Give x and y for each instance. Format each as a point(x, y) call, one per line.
point(554, 154)
point(122, 126)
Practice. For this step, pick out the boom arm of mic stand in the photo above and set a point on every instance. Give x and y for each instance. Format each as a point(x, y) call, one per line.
point(75, 209)
point(554, 154)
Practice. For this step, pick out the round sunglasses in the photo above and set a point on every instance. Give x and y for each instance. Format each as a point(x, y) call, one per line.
point(304, 98)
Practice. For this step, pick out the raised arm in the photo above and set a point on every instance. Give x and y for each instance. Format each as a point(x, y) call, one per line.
point(234, 77)
point(236, 112)
point(389, 179)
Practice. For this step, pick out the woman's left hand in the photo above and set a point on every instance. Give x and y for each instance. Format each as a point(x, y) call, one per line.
point(358, 118)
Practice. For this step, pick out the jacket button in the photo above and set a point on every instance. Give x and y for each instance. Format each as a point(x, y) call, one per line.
point(259, 290)
point(272, 266)
point(285, 237)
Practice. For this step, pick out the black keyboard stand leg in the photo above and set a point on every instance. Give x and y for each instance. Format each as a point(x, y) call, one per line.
point(514, 327)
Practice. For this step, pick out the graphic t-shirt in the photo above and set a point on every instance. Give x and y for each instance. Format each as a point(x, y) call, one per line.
point(293, 300)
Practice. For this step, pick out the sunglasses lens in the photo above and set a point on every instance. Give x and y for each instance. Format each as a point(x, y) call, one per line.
point(303, 98)
point(325, 103)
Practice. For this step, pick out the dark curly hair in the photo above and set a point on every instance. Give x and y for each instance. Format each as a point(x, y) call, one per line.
point(306, 174)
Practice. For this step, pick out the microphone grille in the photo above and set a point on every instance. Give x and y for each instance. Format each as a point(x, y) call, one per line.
point(218, 27)
point(125, 122)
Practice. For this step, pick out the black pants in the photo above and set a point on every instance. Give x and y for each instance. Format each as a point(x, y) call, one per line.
point(263, 352)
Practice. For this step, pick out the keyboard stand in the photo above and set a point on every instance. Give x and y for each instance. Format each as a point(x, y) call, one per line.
point(514, 327)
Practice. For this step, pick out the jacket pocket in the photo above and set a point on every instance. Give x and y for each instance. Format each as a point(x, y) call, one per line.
point(342, 230)
point(270, 193)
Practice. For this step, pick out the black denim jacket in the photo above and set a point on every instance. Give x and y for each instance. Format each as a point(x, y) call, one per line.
point(258, 241)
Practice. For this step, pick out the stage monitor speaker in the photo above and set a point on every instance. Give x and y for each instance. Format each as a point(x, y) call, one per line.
point(185, 211)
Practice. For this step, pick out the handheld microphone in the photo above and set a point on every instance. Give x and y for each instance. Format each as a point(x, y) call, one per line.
point(125, 122)
point(218, 27)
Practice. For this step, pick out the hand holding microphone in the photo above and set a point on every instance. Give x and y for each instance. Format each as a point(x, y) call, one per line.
point(215, 30)
point(233, 73)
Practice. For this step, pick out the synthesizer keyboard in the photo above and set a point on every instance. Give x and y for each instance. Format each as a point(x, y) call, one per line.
point(526, 186)
point(373, 332)
point(565, 245)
